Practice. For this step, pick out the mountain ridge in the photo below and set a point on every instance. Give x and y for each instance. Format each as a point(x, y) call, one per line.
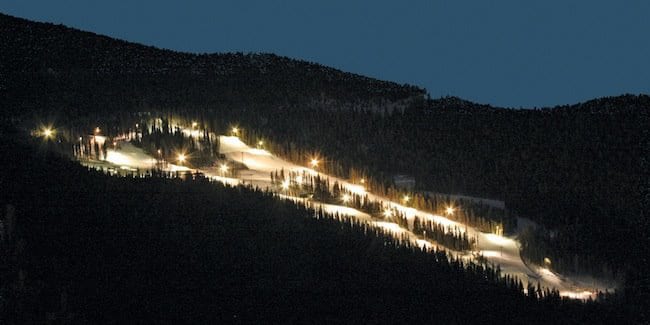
point(44, 49)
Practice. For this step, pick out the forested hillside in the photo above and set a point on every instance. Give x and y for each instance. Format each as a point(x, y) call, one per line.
point(82, 247)
point(577, 170)
point(78, 72)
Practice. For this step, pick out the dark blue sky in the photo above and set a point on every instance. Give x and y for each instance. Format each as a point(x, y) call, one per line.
point(509, 53)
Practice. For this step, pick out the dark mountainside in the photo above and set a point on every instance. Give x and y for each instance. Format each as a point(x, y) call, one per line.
point(578, 170)
point(83, 247)
point(94, 73)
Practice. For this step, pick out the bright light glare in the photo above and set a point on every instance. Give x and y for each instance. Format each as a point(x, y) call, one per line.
point(285, 184)
point(362, 181)
point(299, 179)
point(194, 124)
point(260, 143)
point(224, 168)
point(48, 133)
point(97, 130)
point(388, 213)
point(346, 198)
point(235, 130)
point(450, 210)
point(314, 162)
point(406, 198)
point(181, 158)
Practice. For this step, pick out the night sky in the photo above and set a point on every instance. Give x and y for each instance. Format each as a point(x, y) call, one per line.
point(507, 53)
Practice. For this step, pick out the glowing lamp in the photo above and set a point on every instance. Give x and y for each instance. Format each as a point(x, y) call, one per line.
point(285, 184)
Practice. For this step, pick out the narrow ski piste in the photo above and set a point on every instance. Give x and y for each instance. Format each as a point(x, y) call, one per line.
point(496, 249)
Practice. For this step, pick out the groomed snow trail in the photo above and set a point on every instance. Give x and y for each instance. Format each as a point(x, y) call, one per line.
point(496, 249)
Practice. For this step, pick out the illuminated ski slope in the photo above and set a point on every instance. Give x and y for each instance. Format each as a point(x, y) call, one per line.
point(495, 249)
